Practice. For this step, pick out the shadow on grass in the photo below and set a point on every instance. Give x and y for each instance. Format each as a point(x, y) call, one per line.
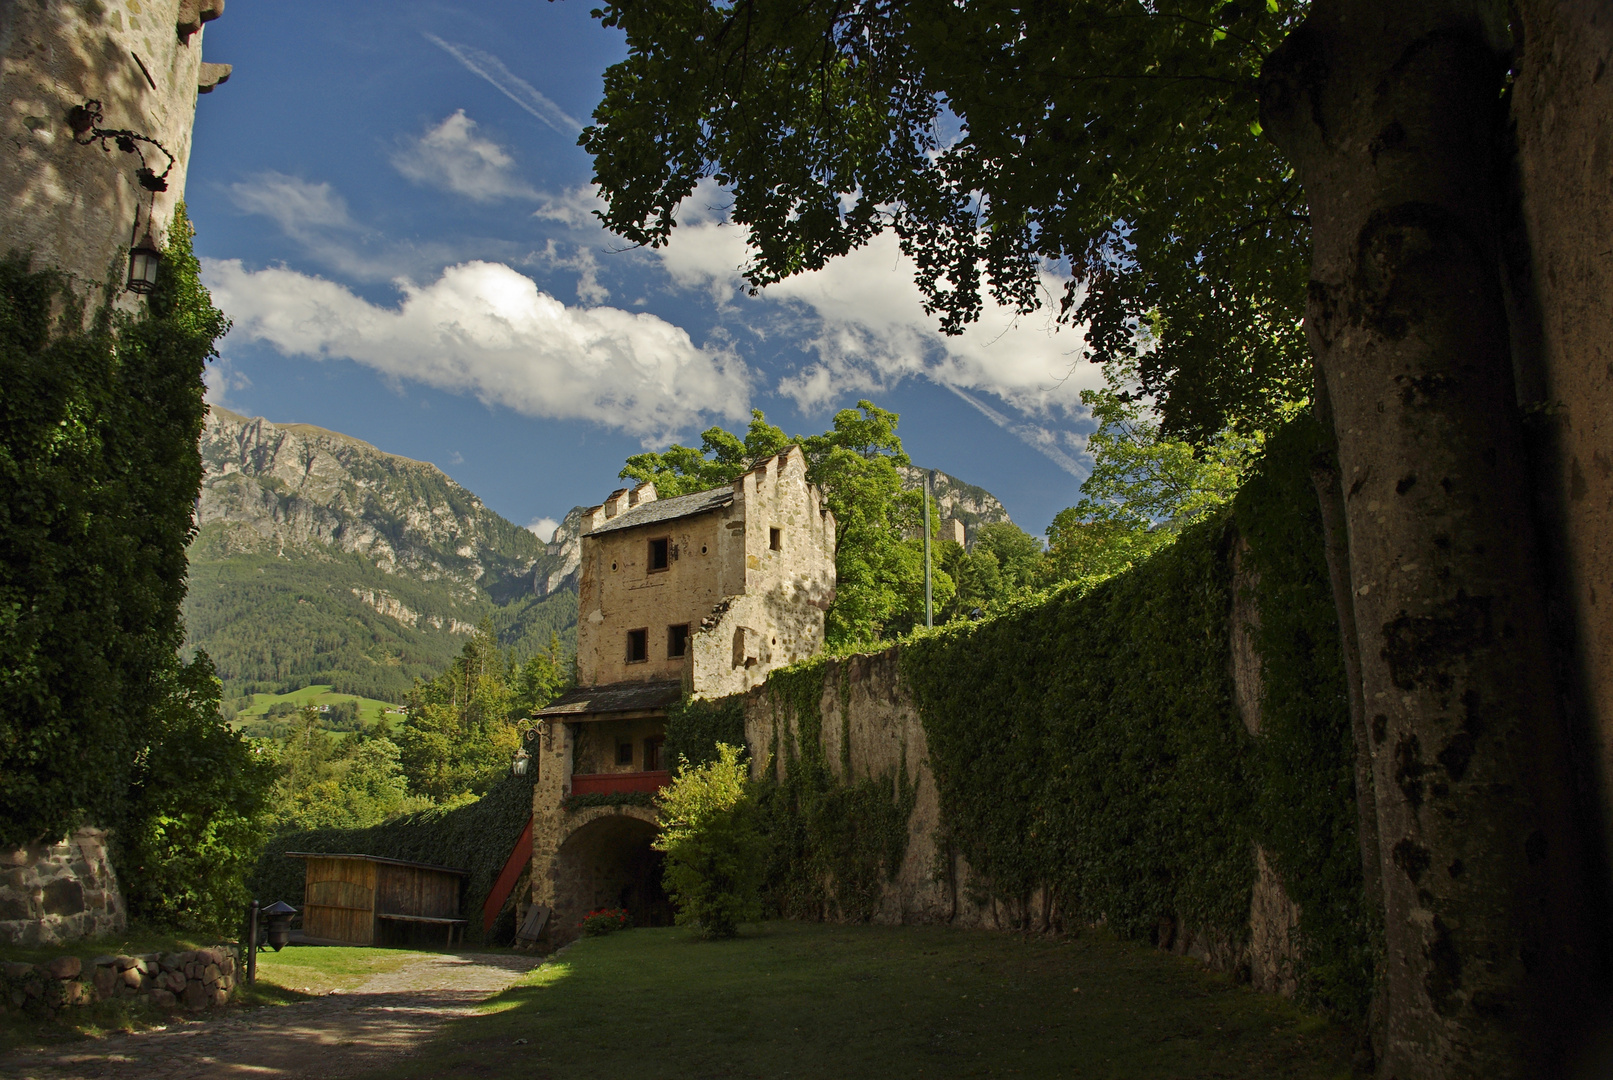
point(820, 1001)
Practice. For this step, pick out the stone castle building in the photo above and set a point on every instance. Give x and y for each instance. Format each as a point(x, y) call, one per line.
point(77, 207)
point(703, 593)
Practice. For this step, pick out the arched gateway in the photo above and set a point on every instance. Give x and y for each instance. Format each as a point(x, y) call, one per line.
point(701, 594)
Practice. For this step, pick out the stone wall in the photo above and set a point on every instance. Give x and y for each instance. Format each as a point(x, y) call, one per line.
point(195, 980)
point(75, 206)
point(51, 893)
point(934, 885)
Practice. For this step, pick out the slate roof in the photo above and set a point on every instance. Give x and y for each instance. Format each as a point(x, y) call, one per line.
point(679, 506)
point(612, 698)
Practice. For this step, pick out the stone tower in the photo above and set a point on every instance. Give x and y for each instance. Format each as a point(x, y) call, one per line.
point(74, 206)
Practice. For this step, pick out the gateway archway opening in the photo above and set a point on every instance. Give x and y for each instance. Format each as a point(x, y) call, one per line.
point(609, 863)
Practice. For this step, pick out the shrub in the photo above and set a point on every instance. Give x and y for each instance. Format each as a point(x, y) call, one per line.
point(603, 921)
point(715, 853)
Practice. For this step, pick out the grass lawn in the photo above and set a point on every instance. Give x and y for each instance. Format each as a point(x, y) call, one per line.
point(313, 970)
point(807, 1000)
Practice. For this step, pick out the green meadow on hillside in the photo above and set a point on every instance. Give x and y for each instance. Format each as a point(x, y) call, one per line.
point(269, 716)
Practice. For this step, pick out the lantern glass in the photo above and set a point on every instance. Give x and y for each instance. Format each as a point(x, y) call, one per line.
point(143, 260)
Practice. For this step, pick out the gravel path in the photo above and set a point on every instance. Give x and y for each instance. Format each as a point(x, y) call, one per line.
point(339, 1035)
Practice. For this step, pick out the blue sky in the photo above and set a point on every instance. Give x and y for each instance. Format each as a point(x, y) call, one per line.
point(391, 206)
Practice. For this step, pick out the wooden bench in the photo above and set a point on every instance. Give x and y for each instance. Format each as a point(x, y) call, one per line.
point(452, 924)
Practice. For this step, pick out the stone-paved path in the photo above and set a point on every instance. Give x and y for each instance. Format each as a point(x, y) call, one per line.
point(340, 1035)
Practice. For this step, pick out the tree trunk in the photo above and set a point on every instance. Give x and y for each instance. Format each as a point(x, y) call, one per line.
point(1390, 112)
point(1562, 278)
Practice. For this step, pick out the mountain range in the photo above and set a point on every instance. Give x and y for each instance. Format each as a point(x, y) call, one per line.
point(320, 559)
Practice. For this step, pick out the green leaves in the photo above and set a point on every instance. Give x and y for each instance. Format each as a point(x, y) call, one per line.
point(713, 849)
point(1109, 136)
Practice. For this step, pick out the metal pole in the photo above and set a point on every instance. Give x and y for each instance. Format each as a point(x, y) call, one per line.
point(252, 944)
point(929, 611)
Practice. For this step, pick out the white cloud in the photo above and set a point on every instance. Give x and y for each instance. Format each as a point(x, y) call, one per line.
point(581, 260)
point(296, 205)
point(509, 84)
point(872, 330)
point(451, 156)
point(543, 528)
point(221, 380)
point(482, 328)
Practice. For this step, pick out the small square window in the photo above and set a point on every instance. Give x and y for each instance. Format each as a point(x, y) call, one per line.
point(624, 753)
point(659, 551)
point(775, 539)
point(677, 641)
point(638, 646)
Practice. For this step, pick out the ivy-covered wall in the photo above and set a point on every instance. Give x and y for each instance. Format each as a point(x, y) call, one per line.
point(1081, 758)
point(477, 837)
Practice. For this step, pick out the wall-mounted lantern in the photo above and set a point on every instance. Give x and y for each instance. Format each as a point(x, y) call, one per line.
point(144, 258)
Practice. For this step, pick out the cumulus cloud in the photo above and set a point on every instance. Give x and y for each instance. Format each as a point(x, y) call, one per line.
point(483, 328)
point(872, 331)
point(543, 528)
point(512, 86)
point(453, 157)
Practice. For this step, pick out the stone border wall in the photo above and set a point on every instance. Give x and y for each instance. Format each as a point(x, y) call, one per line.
point(53, 893)
point(934, 886)
point(195, 980)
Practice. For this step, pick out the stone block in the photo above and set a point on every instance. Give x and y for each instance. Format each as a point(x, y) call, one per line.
point(131, 978)
point(163, 998)
point(13, 907)
point(172, 980)
point(168, 961)
point(211, 973)
point(65, 967)
point(106, 980)
point(76, 993)
point(195, 996)
point(124, 963)
point(219, 997)
point(104, 960)
point(14, 970)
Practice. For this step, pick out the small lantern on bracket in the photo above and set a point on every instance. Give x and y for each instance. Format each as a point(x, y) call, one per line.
point(144, 258)
point(277, 916)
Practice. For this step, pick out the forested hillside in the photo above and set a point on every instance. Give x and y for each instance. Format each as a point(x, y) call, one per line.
point(321, 559)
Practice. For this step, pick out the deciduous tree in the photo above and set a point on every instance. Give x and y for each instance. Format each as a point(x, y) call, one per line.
point(1184, 161)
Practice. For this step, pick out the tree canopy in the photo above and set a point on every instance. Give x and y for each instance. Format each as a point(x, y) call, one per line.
point(1115, 140)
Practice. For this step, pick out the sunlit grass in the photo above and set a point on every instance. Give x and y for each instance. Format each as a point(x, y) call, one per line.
point(814, 1001)
point(314, 970)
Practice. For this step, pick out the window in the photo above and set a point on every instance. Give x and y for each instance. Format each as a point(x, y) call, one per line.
point(775, 539)
point(677, 641)
point(624, 753)
point(652, 754)
point(638, 646)
point(659, 550)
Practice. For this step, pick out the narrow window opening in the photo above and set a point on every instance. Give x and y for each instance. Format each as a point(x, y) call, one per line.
point(638, 646)
point(677, 641)
point(624, 753)
point(652, 754)
point(775, 539)
point(659, 551)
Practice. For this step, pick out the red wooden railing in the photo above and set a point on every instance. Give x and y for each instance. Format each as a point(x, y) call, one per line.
point(619, 783)
point(520, 858)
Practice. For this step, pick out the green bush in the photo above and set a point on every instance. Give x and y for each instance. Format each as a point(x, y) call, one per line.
point(714, 852)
